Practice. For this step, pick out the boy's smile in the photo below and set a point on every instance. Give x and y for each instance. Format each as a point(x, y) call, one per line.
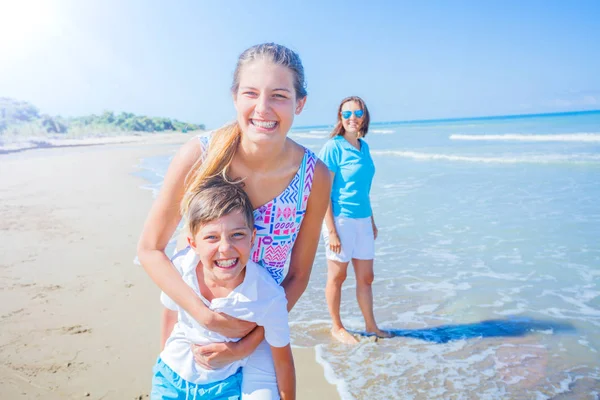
point(227, 264)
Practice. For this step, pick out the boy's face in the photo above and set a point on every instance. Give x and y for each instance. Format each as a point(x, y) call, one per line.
point(224, 246)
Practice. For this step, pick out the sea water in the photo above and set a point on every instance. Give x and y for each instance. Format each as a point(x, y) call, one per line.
point(487, 265)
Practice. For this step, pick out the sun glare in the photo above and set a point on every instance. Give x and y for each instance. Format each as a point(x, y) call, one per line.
point(22, 23)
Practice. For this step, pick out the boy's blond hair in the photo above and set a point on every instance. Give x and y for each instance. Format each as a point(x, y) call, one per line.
point(215, 198)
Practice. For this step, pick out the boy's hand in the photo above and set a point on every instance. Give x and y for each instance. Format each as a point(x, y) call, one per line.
point(229, 326)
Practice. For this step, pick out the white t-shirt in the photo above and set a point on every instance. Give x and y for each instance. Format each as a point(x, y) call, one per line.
point(257, 299)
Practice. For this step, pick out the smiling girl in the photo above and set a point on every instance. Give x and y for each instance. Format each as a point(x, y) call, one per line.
point(289, 190)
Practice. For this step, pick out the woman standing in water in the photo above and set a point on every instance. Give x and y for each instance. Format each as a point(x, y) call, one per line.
point(349, 229)
point(287, 185)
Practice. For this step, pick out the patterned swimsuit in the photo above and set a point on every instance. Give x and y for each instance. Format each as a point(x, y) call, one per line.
point(278, 222)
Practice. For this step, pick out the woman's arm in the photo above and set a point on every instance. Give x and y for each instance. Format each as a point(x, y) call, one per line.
point(305, 248)
point(285, 371)
point(375, 230)
point(335, 244)
point(162, 221)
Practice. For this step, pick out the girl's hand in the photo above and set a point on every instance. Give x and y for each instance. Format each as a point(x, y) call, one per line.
point(375, 231)
point(228, 326)
point(217, 355)
point(334, 242)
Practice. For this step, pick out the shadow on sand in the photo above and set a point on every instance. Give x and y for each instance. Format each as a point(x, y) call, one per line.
point(491, 328)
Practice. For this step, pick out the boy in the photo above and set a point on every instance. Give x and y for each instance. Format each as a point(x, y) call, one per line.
point(221, 233)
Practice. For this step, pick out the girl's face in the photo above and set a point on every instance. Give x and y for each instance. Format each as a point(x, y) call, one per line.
point(266, 101)
point(352, 124)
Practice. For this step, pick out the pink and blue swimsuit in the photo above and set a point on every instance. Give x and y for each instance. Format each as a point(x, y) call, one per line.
point(278, 222)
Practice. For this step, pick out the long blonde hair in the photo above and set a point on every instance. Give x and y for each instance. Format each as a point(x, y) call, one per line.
point(225, 140)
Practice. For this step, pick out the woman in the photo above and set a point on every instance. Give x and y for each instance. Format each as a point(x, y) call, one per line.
point(349, 229)
point(289, 189)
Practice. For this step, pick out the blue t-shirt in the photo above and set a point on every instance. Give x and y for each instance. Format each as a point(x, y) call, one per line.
point(354, 171)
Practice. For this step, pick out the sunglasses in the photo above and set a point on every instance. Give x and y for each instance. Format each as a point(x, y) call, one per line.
point(357, 114)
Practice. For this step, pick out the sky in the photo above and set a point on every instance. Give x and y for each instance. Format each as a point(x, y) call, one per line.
point(408, 59)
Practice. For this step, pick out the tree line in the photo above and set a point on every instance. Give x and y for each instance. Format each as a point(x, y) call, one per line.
point(15, 114)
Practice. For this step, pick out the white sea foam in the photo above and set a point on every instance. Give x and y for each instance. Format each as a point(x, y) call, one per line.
point(310, 135)
point(382, 131)
point(568, 137)
point(527, 158)
point(427, 308)
point(487, 368)
point(330, 376)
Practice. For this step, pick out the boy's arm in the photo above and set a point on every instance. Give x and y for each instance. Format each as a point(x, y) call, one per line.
point(285, 372)
point(167, 323)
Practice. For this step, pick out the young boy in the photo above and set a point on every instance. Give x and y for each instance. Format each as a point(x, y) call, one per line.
point(221, 233)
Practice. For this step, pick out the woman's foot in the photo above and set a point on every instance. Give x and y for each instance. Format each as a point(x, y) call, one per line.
point(342, 335)
point(379, 333)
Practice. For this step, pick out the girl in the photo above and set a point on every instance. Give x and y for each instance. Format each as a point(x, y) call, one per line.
point(287, 185)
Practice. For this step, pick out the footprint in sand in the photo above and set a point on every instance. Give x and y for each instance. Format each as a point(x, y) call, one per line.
point(10, 314)
point(42, 292)
point(33, 370)
point(75, 330)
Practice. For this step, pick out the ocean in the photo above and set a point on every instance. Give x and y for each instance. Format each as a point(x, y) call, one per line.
point(487, 265)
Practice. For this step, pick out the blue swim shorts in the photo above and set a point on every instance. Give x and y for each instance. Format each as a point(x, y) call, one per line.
point(167, 384)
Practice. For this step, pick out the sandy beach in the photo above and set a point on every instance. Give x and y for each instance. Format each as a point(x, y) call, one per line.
point(78, 318)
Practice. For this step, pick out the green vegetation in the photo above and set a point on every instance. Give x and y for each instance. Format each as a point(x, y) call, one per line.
point(20, 118)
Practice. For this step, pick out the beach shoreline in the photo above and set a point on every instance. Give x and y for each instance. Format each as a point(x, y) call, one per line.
point(78, 318)
point(19, 144)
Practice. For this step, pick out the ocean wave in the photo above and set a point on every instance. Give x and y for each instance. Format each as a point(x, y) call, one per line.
point(310, 135)
point(382, 131)
point(567, 137)
point(527, 159)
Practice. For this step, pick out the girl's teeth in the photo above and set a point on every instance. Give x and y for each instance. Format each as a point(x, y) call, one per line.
point(264, 124)
point(226, 263)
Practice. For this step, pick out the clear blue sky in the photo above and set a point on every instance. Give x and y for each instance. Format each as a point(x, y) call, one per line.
point(408, 59)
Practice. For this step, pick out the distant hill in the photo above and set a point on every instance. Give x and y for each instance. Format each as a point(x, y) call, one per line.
point(20, 118)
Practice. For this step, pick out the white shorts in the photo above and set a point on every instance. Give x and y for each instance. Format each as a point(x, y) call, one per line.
point(356, 236)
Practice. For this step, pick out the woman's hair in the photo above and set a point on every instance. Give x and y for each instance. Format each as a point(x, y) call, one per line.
point(225, 140)
point(215, 198)
point(339, 130)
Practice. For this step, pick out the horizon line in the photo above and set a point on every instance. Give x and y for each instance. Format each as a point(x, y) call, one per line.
point(454, 119)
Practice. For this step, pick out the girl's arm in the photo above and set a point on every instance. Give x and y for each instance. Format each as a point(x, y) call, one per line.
point(285, 371)
point(167, 323)
point(305, 248)
point(160, 225)
point(218, 355)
